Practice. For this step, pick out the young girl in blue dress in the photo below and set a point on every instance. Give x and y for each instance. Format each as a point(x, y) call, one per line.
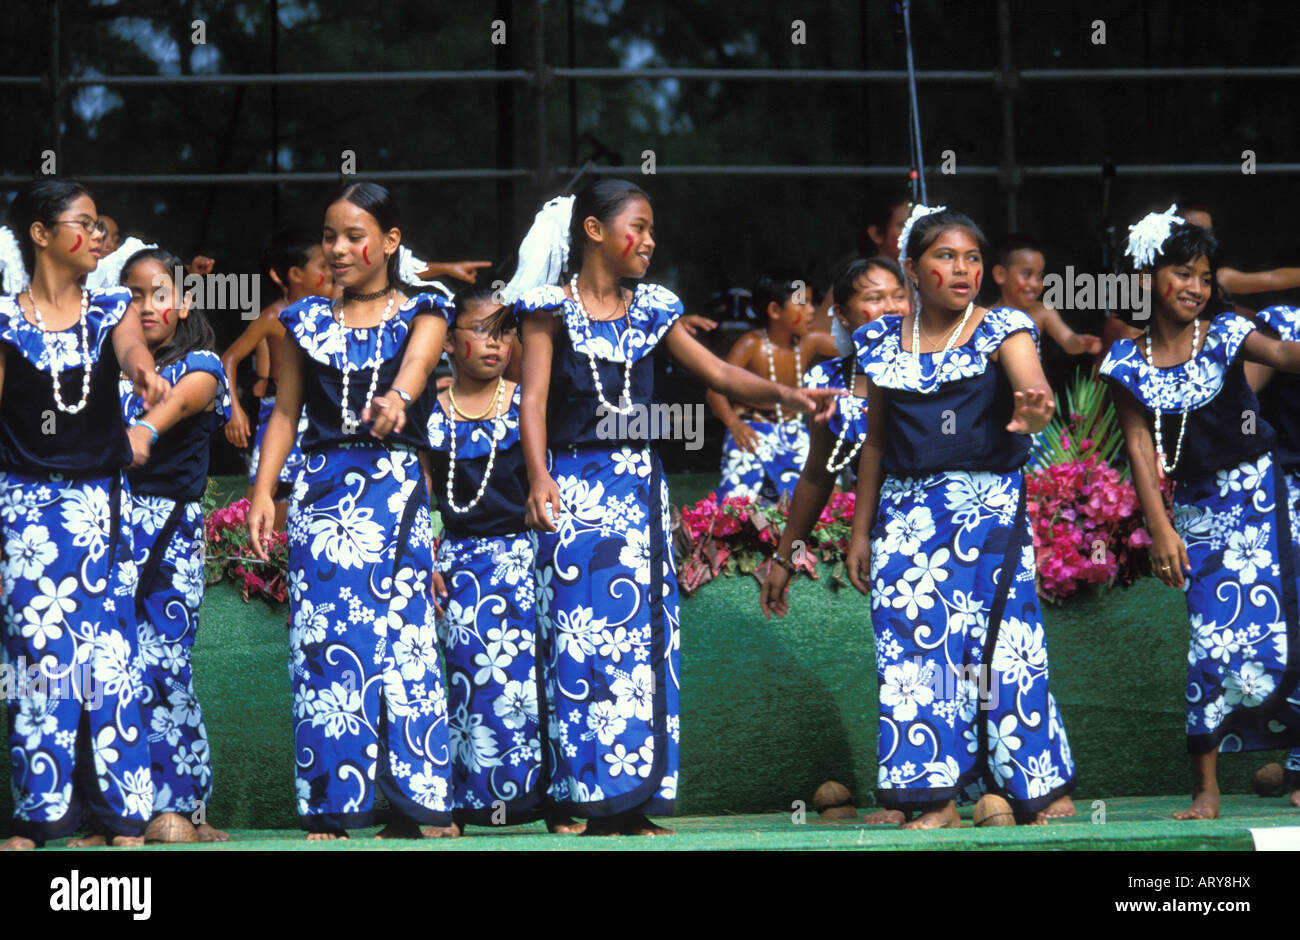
point(607, 611)
point(169, 473)
point(369, 706)
point(77, 740)
point(1182, 398)
point(942, 541)
point(865, 290)
point(1279, 400)
point(488, 626)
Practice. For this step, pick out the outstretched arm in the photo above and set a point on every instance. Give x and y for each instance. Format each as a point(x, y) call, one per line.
point(1034, 401)
point(538, 333)
point(741, 384)
point(237, 428)
point(1257, 282)
point(1073, 343)
point(137, 362)
point(387, 412)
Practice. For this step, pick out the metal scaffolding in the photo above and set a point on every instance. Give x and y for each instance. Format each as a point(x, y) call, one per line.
point(1005, 80)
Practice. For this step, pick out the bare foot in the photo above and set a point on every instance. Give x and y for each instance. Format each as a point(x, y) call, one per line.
point(125, 841)
point(944, 818)
point(170, 829)
point(641, 826)
point(323, 836)
point(886, 817)
point(1205, 805)
point(605, 826)
point(16, 844)
point(1295, 797)
point(87, 842)
point(1059, 809)
point(454, 831)
point(565, 827)
point(400, 829)
point(207, 834)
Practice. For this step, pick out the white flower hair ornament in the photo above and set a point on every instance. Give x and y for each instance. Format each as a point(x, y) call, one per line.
point(918, 212)
point(544, 251)
point(409, 268)
point(108, 273)
point(13, 273)
point(1147, 235)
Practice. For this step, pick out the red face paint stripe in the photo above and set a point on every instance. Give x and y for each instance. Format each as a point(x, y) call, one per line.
point(1169, 289)
point(164, 315)
point(320, 281)
point(978, 274)
point(630, 240)
point(938, 278)
point(466, 349)
point(365, 253)
point(78, 244)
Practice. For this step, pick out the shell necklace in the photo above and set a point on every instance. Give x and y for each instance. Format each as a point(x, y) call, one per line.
point(595, 374)
point(495, 410)
point(943, 356)
point(1192, 367)
point(348, 417)
point(86, 364)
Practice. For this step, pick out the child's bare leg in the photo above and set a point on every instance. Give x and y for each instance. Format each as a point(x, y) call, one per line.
point(943, 816)
point(1205, 788)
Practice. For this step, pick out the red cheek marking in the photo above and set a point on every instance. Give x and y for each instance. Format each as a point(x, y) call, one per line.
point(978, 274)
point(509, 349)
point(938, 278)
point(365, 253)
point(164, 315)
point(466, 349)
point(78, 244)
point(630, 239)
point(1169, 289)
point(320, 281)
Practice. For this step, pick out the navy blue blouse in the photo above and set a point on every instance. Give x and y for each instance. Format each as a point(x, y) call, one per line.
point(35, 437)
point(574, 415)
point(178, 461)
point(501, 510)
point(960, 424)
point(311, 324)
point(1213, 387)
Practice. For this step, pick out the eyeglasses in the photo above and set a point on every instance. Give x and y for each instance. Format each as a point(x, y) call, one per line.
point(483, 331)
point(88, 225)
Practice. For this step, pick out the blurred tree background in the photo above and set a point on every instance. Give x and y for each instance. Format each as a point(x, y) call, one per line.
point(714, 232)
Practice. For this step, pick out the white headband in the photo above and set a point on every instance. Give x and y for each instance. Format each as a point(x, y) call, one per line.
point(918, 212)
point(409, 269)
point(109, 270)
point(544, 251)
point(1148, 234)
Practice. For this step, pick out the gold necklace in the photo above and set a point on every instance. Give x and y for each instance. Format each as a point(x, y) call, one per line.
point(494, 406)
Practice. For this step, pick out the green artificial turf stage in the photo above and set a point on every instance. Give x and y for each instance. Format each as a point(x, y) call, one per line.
point(769, 710)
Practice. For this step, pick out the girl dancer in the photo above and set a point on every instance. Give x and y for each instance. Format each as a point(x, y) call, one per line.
point(942, 541)
point(606, 588)
point(168, 475)
point(76, 736)
point(865, 290)
point(485, 568)
point(369, 707)
point(1187, 411)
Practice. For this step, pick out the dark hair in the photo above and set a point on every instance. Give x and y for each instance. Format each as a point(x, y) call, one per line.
point(1009, 244)
point(603, 199)
point(288, 248)
point(842, 289)
point(1186, 243)
point(193, 332)
point(40, 201)
point(928, 228)
point(774, 287)
point(378, 201)
point(878, 210)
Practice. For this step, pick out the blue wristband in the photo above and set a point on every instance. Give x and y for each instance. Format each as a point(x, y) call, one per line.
point(153, 431)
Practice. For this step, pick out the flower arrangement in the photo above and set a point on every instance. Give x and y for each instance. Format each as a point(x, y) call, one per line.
point(228, 553)
point(1083, 510)
point(740, 534)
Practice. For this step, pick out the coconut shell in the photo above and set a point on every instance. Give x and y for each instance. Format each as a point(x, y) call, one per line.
point(992, 810)
point(172, 829)
point(838, 812)
point(829, 794)
point(1267, 781)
